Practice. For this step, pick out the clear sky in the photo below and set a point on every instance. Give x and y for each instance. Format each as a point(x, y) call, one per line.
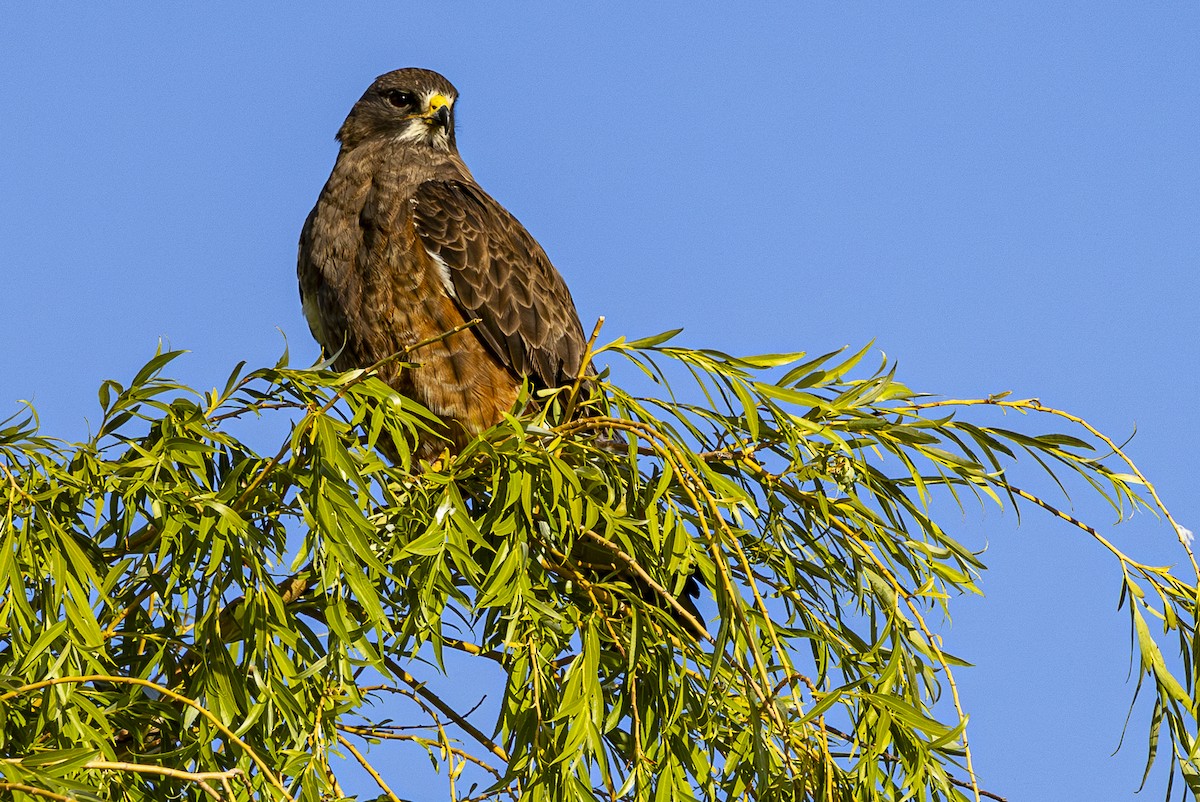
point(1004, 196)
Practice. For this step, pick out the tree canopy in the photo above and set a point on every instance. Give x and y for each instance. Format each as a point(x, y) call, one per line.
point(187, 614)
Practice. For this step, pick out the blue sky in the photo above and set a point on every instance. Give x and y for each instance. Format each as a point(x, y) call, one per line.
point(1001, 196)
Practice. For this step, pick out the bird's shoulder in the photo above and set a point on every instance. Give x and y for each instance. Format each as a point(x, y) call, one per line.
point(460, 222)
point(497, 271)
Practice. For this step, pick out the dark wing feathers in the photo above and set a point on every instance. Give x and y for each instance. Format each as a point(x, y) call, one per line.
point(499, 274)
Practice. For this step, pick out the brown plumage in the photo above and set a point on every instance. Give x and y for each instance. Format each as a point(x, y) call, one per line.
point(403, 246)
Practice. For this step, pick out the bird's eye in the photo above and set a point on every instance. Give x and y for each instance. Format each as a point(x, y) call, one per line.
point(400, 99)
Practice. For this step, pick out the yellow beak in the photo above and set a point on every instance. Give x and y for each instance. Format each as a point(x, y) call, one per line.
point(439, 111)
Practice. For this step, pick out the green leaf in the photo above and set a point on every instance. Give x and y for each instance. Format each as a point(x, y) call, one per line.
point(653, 340)
point(157, 551)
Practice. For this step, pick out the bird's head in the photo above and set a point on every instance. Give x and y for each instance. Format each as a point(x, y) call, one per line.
point(409, 105)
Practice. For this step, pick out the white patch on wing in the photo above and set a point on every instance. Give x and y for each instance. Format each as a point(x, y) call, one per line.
point(313, 316)
point(443, 273)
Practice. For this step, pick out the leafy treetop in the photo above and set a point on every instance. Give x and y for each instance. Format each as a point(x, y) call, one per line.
point(184, 614)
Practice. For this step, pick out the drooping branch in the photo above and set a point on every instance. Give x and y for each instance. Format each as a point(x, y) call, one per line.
point(368, 768)
point(450, 713)
point(165, 691)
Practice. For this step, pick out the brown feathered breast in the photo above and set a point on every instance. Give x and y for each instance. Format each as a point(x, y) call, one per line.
point(403, 246)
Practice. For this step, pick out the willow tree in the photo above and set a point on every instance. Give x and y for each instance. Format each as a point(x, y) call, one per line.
point(187, 615)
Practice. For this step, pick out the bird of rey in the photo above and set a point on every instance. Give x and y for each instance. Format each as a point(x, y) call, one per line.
point(403, 246)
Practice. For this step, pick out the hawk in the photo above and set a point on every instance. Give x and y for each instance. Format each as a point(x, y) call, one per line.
point(403, 246)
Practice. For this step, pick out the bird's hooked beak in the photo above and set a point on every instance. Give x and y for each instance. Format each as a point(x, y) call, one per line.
point(438, 112)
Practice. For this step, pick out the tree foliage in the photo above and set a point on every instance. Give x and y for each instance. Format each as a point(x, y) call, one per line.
point(187, 615)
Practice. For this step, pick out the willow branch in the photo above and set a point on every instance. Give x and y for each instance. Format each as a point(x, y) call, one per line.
point(933, 642)
point(369, 768)
point(165, 691)
point(1032, 404)
point(200, 778)
point(447, 710)
point(361, 376)
point(29, 789)
point(696, 626)
point(386, 735)
point(584, 364)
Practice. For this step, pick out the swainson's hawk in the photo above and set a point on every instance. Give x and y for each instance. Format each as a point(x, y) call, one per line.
point(403, 246)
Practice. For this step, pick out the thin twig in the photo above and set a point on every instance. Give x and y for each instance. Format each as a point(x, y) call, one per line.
point(165, 691)
point(446, 709)
point(888, 756)
point(200, 778)
point(1032, 404)
point(237, 413)
point(13, 483)
point(695, 626)
point(933, 642)
point(381, 733)
point(370, 769)
point(29, 789)
point(564, 565)
point(585, 362)
point(365, 374)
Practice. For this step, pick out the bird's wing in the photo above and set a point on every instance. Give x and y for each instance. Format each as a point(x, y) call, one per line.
point(309, 277)
point(497, 272)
